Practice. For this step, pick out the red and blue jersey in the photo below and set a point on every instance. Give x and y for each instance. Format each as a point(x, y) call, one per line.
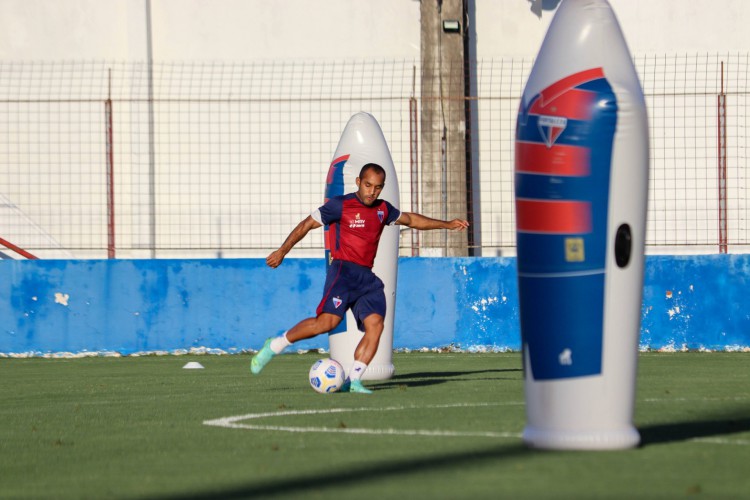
point(354, 228)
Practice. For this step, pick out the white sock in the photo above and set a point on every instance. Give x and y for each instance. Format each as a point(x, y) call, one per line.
point(358, 368)
point(280, 343)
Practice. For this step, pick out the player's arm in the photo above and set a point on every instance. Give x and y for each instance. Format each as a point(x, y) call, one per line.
point(299, 232)
point(422, 222)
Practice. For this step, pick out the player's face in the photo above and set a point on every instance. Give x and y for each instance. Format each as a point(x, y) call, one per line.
point(370, 185)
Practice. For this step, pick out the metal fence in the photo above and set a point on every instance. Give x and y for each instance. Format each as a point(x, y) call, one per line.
point(196, 159)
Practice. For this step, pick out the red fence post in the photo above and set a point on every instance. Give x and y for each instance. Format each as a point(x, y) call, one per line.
point(414, 160)
point(110, 174)
point(722, 163)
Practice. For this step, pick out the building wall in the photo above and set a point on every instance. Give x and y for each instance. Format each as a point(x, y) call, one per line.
point(224, 30)
point(511, 28)
point(235, 30)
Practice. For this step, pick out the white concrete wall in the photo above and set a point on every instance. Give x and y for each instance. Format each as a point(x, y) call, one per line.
point(229, 30)
point(290, 29)
point(510, 28)
point(297, 29)
point(50, 30)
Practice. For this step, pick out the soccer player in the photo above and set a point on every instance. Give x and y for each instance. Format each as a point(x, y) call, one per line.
point(358, 219)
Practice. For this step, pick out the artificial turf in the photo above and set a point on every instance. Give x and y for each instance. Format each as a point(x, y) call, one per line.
point(447, 425)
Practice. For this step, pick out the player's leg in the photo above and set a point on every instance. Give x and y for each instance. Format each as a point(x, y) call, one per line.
point(311, 327)
point(369, 310)
point(329, 313)
point(363, 354)
point(368, 346)
point(305, 329)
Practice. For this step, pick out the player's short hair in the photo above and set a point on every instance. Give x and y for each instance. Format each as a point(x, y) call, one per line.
point(374, 167)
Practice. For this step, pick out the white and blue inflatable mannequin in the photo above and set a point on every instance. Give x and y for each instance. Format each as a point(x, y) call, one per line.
point(581, 184)
point(362, 142)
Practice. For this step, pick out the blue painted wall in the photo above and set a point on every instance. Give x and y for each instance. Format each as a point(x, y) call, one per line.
point(132, 306)
point(696, 301)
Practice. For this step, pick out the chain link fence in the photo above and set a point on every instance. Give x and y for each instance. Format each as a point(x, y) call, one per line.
point(189, 159)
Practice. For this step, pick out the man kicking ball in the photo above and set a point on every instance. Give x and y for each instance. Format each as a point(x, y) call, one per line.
point(357, 219)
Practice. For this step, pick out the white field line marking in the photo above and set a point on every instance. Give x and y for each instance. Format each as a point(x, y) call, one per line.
point(736, 442)
point(233, 422)
point(690, 400)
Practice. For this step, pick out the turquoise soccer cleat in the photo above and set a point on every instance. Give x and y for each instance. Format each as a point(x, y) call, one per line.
point(355, 386)
point(262, 358)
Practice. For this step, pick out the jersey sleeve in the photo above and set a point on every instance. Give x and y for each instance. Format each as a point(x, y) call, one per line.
point(393, 214)
point(317, 217)
point(330, 212)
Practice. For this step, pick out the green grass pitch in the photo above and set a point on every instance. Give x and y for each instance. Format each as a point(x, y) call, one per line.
point(446, 426)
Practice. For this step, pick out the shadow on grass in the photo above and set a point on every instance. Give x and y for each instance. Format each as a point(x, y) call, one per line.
point(403, 376)
point(421, 379)
point(366, 473)
point(683, 431)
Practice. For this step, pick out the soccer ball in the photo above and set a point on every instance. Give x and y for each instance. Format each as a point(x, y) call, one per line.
point(326, 375)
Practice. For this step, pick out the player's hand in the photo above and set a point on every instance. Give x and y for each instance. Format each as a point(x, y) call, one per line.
point(458, 225)
point(275, 259)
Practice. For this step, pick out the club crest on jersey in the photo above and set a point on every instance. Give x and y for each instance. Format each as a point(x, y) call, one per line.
point(337, 302)
point(551, 127)
point(381, 215)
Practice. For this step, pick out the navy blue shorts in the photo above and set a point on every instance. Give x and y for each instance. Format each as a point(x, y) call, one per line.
point(349, 285)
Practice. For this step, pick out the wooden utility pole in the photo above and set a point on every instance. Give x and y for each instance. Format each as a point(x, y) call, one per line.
point(443, 128)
